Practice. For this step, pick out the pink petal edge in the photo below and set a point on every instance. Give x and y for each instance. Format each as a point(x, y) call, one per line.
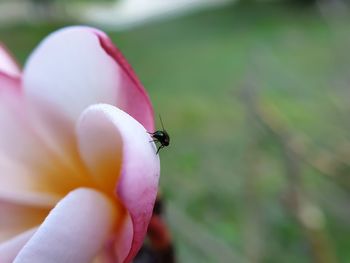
point(145, 118)
point(138, 184)
point(9, 82)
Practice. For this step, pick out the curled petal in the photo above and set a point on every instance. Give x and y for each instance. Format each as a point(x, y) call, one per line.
point(7, 64)
point(110, 137)
point(78, 66)
point(74, 231)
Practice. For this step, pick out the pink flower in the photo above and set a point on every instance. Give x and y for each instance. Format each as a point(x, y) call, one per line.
point(78, 174)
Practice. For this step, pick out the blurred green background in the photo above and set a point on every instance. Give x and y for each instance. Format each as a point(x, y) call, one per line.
point(255, 97)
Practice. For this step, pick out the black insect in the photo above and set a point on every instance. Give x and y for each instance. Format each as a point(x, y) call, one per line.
point(161, 136)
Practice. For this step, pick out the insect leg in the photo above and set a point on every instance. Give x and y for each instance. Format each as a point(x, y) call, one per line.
point(160, 147)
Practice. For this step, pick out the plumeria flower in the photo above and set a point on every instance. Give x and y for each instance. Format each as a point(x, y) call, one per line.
point(78, 173)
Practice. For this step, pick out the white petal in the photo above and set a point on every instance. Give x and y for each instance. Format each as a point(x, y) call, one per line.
point(74, 232)
point(79, 66)
point(10, 248)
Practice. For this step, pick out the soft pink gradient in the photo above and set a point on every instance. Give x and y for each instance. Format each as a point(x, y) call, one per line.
point(73, 127)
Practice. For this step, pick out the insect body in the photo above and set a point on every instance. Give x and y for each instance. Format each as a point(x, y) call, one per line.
point(161, 136)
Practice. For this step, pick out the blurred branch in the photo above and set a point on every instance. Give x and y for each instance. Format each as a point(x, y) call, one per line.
point(308, 215)
point(254, 224)
point(326, 162)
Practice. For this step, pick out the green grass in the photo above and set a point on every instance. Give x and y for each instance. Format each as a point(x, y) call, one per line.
point(194, 69)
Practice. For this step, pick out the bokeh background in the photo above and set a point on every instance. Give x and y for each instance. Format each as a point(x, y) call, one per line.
point(255, 95)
